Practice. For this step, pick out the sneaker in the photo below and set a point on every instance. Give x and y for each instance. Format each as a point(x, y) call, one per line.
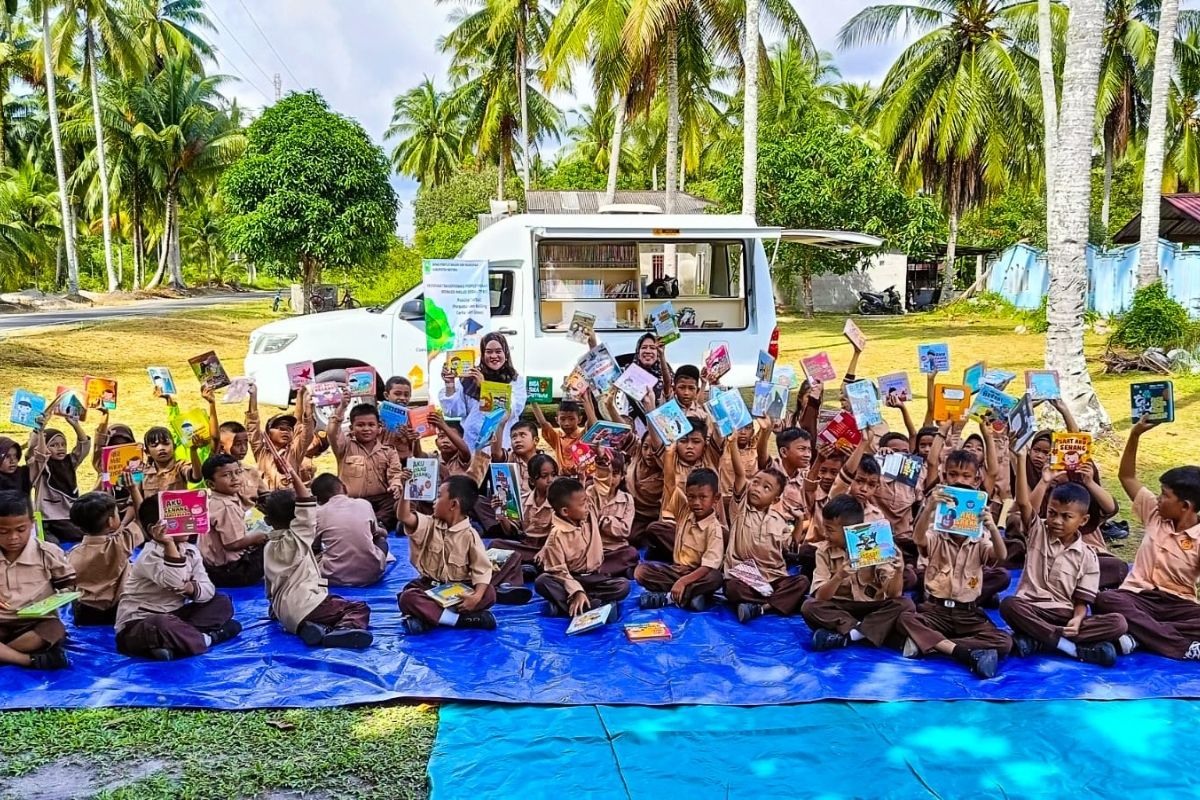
point(749, 611)
point(1127, 644)
point(1025, 646)
point(529, 573)
point(1193, 652)
point(162, 654)
point(509, 595)
point(824, 639)
point(311, 633)
point(1115, 531)
point(225, 632)
point(1103, 654)
point(415, 627)
point(910, 649)
point(477, 620)
point(700, 602)
point(53, 657)
point(985, 662)
point(347, 638)
point(654, 600)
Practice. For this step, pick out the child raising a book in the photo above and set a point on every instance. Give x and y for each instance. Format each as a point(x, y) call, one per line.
point(53, 470)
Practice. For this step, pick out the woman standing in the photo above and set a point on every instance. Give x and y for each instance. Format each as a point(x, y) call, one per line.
point(460, 397)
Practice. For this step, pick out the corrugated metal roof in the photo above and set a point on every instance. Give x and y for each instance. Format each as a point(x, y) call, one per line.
point(1179, 221)
point(545, 202)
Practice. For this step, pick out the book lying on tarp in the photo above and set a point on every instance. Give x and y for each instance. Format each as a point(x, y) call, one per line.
point(47, 606)
point(448, 595)
point(646, 631)
point(869, 544)
point(591, 619)
point(498, 557)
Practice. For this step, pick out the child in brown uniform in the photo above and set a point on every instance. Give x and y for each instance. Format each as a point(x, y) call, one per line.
point(53, 468)
point(368, 467)
point(101, 560)
point(614, 510)
point(695, 571)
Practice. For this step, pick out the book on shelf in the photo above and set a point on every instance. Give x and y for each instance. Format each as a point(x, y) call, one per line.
point(209, 371)
point(423, 485)
point(864, 403)
point(591, 619)
point(869, 544)
point(184, 512)
point(1043, 384)
point(539, 390)
point(817, 367)
point(448, 595)
point(1154, 400)
point(647, 631)
point(162, 380)
point(895, 385)
point(506, 487)
point(99, 392)
point(662, 319)
point(950, 402)
point(729, 412)
point(1070, 451)
point(961, 513)
point(933, 358)
point(26, 408)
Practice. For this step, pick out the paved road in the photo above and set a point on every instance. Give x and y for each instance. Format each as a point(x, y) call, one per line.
point(21, 324)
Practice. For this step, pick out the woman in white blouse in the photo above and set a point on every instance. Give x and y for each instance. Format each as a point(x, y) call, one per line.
point(460, 397)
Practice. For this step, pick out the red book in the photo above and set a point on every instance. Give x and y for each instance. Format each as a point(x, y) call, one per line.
point(841, 431)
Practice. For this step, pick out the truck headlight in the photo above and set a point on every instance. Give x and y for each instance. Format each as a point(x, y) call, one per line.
point(273, 343)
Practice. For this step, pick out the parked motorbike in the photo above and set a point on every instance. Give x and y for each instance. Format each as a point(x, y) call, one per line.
point(885, 302)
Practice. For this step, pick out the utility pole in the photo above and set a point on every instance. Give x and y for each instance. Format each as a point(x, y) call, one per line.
point(278, 87)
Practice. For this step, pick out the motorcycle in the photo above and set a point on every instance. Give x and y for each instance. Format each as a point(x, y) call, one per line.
point(885, 302)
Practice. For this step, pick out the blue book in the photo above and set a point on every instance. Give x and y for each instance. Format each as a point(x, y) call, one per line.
point(991, 404)
point(962, 514)
point(729, 412)
point(864, 403)
point(770, 400)
point(26, 408)
point(393, 416)
point(1043, 384)
point(766, 367)
point(491, 424)
point(669, 421)
point(870, 544)
point(973, 376)
point(933, 358)
point(999, 378)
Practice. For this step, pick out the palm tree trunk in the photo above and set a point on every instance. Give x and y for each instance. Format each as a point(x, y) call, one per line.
point(500, 178)
point(523, 90)
point(672, 116)
point(60, 170)
point(89, 57)
point(1067, 224)
point(948, 276)
point(750, 116)
point(174, 258)
point(1156, 134)
point(614, 150)
point(1110, 156)
point(1049, 94)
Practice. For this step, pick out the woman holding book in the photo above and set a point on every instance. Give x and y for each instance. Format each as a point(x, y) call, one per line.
point(649, 355)
point(460, 397)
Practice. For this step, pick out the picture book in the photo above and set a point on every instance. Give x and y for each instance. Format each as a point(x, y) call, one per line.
point(506, 487)
point(606, 434)
point(855, 335)
point(973, 376)
point(717, 361)
point(870, 544)
point(582, 325)
point(600, 368)
point(841, 431)
point(26, 408)
point(662, 319)
point(1069, 451)
point(301, 374)
point(238, 391)
point(418, 420)
point(1042, 384)
point(448, 595)
point(583, 457)
point(68, 404)
point(729, 412)
point(184, 512)
point(392, 416)
point(256, 522)
point(864, 402)
point(209, 371)
point(460, 362)
point(748, 573)
point(961, 513)
point(933, 358)
point(590, 620)
point(575, 384)
point(1154, 400)
point(360, 381)
point(895, 385)
point(991, 405)
point(766, 367)
point(499, 557)
point(162, 380)
point(48, 606)
point(494, 394)
point(119, 460)
point(539, 390)
point(1021, 424)
point(903, 467)
point(818, 368)
point(491, 424)
point(646, 631)
point(770, 400)
point(950, 402)
point(326, 394)
point(636, 382)
point(423, 485)
point(99, 392)
point(188, 424)
point(784, 376)
point(999, 378)
point(669, 421)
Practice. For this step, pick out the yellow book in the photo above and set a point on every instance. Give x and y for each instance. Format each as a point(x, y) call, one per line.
point(1070, 451)
point(951, 402)
point(493, 395)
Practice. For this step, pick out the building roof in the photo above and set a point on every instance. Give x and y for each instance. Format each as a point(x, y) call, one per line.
point(543, 202)
point(1179, 221)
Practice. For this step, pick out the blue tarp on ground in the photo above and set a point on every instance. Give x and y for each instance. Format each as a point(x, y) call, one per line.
point(820, 750)
point(711, 660)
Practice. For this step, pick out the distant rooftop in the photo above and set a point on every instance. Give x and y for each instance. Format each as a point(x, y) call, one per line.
point(542, 202)
point(1179, 221)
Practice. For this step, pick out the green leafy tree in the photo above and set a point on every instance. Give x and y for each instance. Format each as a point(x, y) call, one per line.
point(311, 191)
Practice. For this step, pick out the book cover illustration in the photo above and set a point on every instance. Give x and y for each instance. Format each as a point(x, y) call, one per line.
point(506, 488)
point(301, 374)
point(1069, 451)
point(539, 390)
point(903, 467)
point(162, 380)
point(581, 327)
point(1043, 384)
point(423, 485)
point(784, 376)
point(494, 395)
point(961, 513)
point(950, 402)
point(460, 362)
point(991, 405)
point(491, 424)
point(498, 557)
point(636, 382)
point(99, 392)
point(238, 391)
point(669, 421)
point(1154, 400)
point(818, 368)
point(647, 631)
point(606, 434)
point(600, 368)
point(590, 620)
point(583, 457)
point(393, 416)
point(185, 512)
point(209, 370)
point(360, 381)
point(49, 606)
point(717, 362)
point(766, 367)
point(1021, 424)
point(68, 404)
point(973, 376)
point(896, 386)
point(855, 335)
point(999, 378)
point(748, 573)
point(326, 394)
point(870, 544)
point(770, 400)
point(864, 402)
point(729, 412)
point(119, 460)
point(418, 420)
point(575, 384)
point(662, 319)
point(841, 432)
point(256, 521)
point(26, 408)
point(188, 424)
point(933, 358)
point(448, 595)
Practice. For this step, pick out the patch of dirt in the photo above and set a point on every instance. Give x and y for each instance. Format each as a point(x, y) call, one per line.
point(70, 778)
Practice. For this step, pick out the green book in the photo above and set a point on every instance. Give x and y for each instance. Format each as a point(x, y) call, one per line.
point(539, 390)
point(47, 606)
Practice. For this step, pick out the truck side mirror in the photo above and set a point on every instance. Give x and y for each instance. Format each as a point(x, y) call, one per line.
point(413, 309)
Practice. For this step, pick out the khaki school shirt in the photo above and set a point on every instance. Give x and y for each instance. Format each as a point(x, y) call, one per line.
point(675, 472)
point(644, 479)
point(260, 447)
point(475, 468)
point(295, 586)
point(1058, 575)
point(863, 586)
point(536, 517)
point(955, 566)
point(366, 471)
point(155, 584)
point(609, 501)
point(347, 530)
point(1167, 560)
point(38, 571)
point(699, 543)
point(759, 537)
point(895, 500)
point(252, 485)
point(792, 504)
point(226, 524)
point(572, 550)
point(167, 479)
point(449, 553)
point(101, 564)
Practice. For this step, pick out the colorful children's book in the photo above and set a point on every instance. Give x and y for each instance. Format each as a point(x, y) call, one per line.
point(669, 421)
point(591, 619)
point(575, 384)
point(360, 381)
point(424, 482)
point(392, 416)
point(999, 378)
point(729, 412)
point(1021, 424)
point(784, 376)
point(973, 376)
point(583, 456)
point(188, 424)
point(895, 385)
point(326, 394)
point(864, 402)
point(491, 424)
point(1154, 400)
point(301, 374)
point(717, 361)
point(600, 368)
point(950, 402)
point(841, 431)
point(26, 408)
point(539, 390)
point(933, 358)
point(68, 404)
point(646, 631)
point(119, 460)
point(256, 522)
point(606, 434)
point(507, 488)
point(48, 606)
point(99, 392)
point(209, 371)
point(582, 325)
point(163, 381)
point(1069, 451)
point(636, 382)
point(991, 405)
point(748, 573)
point(869, 544)
point(494, 394)
point(184, 512)
point(903, 467)
point(766, 367)
point(770, 400)
point(418, 420)
point(962, 513)
point(855, 335)
point(448, 595)
point(662, 319)
point(1042, 384)
point(460, 362)
point(238, 391)
point(817, 367)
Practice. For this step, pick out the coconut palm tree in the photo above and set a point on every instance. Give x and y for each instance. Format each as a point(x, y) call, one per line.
point(1156, 132)
point(430, 129)
point(1049, 90)
point(1182, 167)
point(800, 83)
point(170, 29)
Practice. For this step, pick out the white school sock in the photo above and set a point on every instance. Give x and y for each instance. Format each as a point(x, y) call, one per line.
point(856, 635)
point(1067, 646)
point(1127, 644)
point(448, 618)
point(207, 640)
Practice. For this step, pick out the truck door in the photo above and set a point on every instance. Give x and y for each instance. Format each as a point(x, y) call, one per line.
point(507, 305)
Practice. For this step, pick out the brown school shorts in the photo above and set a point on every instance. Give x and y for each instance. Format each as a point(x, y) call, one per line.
point(50, 629)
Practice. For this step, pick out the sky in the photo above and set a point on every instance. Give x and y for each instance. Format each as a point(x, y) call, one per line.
point(360, 54)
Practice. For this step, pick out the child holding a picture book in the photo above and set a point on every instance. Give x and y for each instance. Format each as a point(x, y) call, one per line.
point(398, 390)
point(33, 570)
point(678, 461)
point(235, 441)
point(101, 560)
point(570, 430)
point(353, 547)
point(169, 608)
point(110, 435)
point(613, 507)
point(694, 572)
point(53, 469)
point(14, 476)
point(795, 458)
point(162, 470)
point(288, 434)
point(455, 457)
point(687, 390)
point(528, 537)
point(368, 467)
point(233, 555)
